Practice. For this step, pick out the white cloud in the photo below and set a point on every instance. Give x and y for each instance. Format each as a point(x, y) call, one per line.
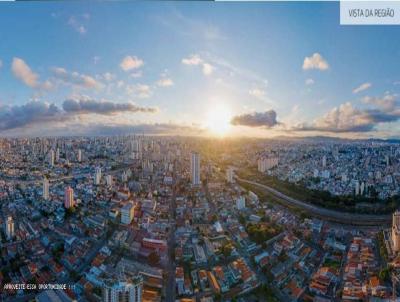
point(137, 74)
point(362, 87)
point(1, 63)
point(207, 69)
point(165, 82)
point(316, 61)
point(131, 62)
point(310, 82)
point(192, 60)
point(77, 25)
point(23, 72)
point(74, 78)
point(256, 92)
point(196, 60)
point(47, 85)
point(387, 102)
point(347, 118)
point(139, 90)
point(108, 76)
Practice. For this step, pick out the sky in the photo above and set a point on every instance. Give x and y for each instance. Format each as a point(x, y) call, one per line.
point(195, 68)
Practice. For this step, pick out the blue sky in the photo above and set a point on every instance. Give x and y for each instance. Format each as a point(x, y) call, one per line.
point(186, 64)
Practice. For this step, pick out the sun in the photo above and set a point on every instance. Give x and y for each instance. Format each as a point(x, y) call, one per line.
point(218, 119)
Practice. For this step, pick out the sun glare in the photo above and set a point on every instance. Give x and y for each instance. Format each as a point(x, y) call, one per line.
point(218, 120)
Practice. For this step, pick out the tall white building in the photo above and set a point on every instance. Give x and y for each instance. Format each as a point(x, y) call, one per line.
point(396, 231)
point(124, 177)
point(9, 228)
point(57, 155)
point(229, 175)
point(97, 176)
point(130, 290)
point(51, 157)
point(357, 188)
point(46, 186)
point(79, 155)
point(195, 169)
point(324, 161)
point(109, 180)
point(127, 212)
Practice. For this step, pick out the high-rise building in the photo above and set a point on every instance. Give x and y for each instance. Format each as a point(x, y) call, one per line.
point(57, 155)
point(396, 231)
point(127, 212)
point(69, 197)
point(97, 176)
point(195, 169)
point(130, 290)
point(46, 186)
point(324, 161)
point(124, 177)
point(229, 175)
point(357, 188)
point(51, 157)
point(9, 228)
point(79, 155)
point(109, 180)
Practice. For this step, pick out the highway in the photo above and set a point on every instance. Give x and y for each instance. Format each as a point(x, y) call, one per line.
point(326, 214)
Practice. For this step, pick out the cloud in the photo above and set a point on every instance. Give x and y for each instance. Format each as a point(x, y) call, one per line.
point(108, 76)
point(362, 87)
point(196, 60)
point(387, 102)
point(96, 59)
point(29, 113)
point(165, 82)
point(131, 62)
point(256, 92)
point(87, 105)
point(75, 79)
point(265, 119)
point(76, 22)
point(139, 90)
point(1, 63)
point(316, 61)
point(309, 82)
point(37, 112)
point(137, 74)
point(207, 69)
point(347, 118)
point(23, 72)
point(192, 60)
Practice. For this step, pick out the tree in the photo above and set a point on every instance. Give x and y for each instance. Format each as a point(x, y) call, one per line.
point(242, 219)
point(227, 250)
point(384, 275)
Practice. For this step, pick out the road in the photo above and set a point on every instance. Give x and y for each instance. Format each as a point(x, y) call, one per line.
point(326, 214)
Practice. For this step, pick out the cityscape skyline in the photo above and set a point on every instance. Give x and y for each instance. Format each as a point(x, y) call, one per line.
point(203, 69)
